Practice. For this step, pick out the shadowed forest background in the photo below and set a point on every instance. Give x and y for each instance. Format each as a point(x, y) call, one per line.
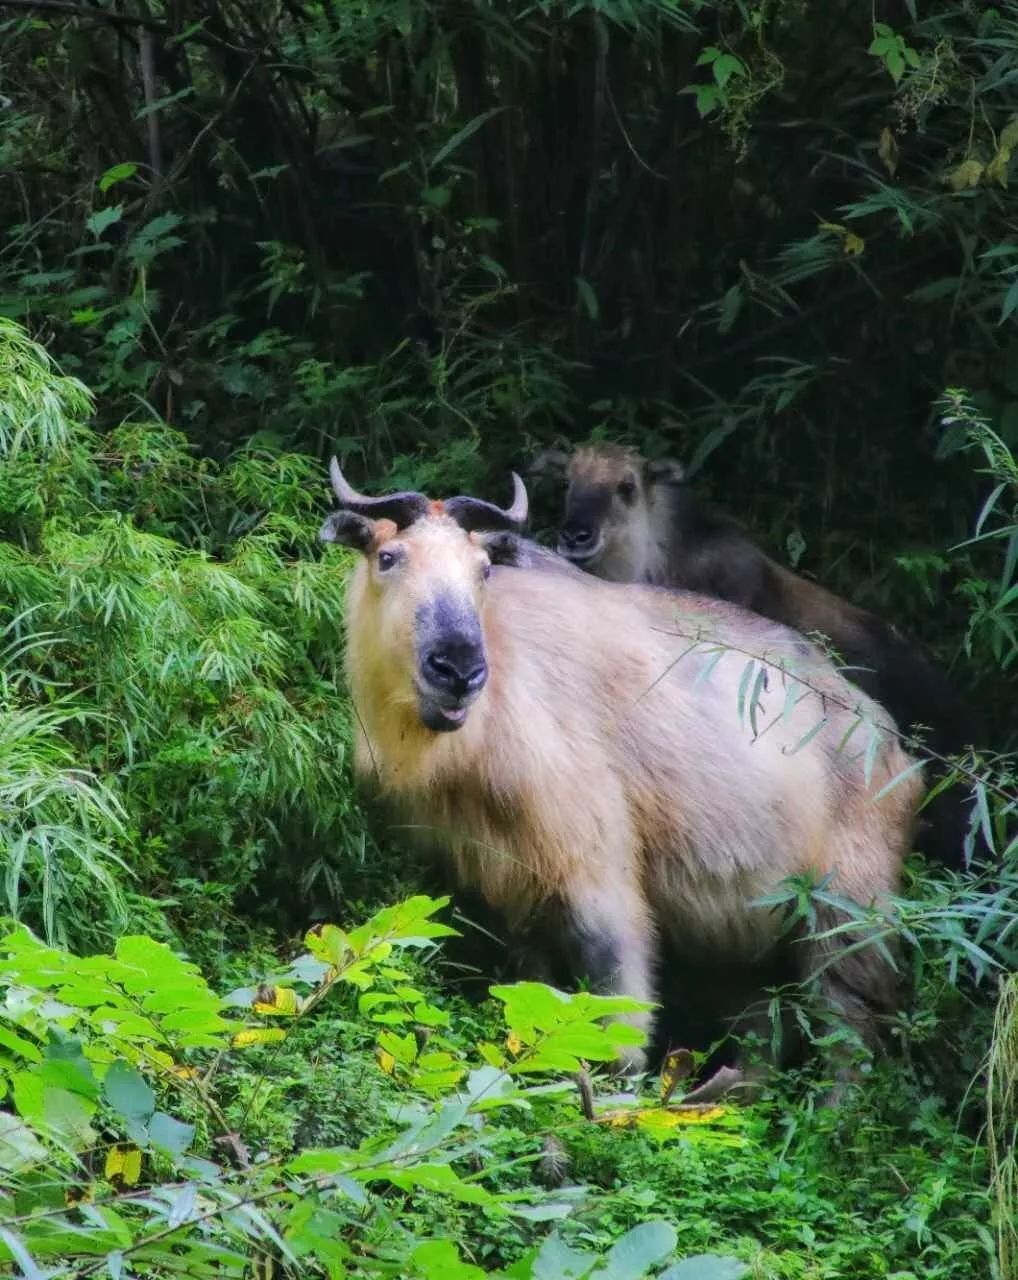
point(776, 240)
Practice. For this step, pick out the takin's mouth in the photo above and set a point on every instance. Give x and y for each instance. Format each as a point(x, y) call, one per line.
point(581, 555)
point(439, 714)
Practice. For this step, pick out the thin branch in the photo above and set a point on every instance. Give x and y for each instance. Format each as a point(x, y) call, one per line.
point(86, 11)
point(146, 59)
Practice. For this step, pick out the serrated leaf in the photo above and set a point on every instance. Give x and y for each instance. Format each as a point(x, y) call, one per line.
point(98, 222)
point(725, 67)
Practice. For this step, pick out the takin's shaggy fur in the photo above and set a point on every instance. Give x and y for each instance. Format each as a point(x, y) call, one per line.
point(598, 763)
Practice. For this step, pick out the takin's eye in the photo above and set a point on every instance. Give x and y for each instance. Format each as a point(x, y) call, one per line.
point(386, 559)
point(627, 488)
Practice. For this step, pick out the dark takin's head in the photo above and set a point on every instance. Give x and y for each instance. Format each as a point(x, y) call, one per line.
point(608, 497)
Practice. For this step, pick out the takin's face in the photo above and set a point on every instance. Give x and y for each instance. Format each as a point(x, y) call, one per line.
point(423, 589)
point(603, 492)
point(608, 502)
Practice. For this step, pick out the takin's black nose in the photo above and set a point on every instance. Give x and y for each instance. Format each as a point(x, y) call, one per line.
point(576, 537)
point(456, 667)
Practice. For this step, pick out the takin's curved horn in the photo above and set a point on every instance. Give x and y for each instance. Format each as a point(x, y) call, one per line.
point(402, 508)
point(473, 513)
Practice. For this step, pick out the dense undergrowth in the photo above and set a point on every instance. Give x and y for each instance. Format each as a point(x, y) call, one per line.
point(430, 237)
point(172, 749)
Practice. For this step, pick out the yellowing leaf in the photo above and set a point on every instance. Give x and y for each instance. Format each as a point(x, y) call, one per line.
point(965, 175)
point(123, 1164)
point(514, 1044)
point(659, 1117)
point(184, 1073)
point(996, 170)
point(279, 1000)
point(851, 244)
point(1009, 135)
point(387, 1062)
point(677, 1066)
point(257, 1035)
point(887, 150)
point(328, 943)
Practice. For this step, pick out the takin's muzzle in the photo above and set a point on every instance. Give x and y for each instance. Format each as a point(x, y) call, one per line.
point(452, 667)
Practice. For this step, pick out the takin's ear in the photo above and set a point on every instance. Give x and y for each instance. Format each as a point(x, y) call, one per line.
point(664, 471)
point(356, 531)
point(503, 547)
point(549, 462)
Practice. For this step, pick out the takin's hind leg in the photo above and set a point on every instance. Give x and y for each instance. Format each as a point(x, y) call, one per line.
point(610, 936)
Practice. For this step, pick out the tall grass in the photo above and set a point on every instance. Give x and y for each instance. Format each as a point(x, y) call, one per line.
point(170, 701)
point(1003, 1125)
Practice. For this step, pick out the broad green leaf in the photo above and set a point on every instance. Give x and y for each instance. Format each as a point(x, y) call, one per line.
point(440, 1260)
point(440, 1178)
point(128, 1092)
point(558, 1261)
point(54, 1112)
point(641, 1247)
point(171, 1135)
point(19, 1045)
point(118, 173)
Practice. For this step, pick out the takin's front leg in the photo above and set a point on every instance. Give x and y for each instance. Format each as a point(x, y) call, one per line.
point(610, 936)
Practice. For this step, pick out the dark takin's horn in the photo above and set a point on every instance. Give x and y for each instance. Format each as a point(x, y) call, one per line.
point(402, 508)
point(472, 513)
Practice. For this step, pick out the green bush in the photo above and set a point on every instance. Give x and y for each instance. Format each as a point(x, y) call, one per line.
point(171, 697)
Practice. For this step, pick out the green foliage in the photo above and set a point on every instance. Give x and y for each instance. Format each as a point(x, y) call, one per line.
point(138, 1044)
point(428, 238)
point(1003, 1125)
point(171, 710)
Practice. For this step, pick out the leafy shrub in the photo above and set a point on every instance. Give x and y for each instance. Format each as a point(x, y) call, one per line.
point(139, 1044)
point(172, 703)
